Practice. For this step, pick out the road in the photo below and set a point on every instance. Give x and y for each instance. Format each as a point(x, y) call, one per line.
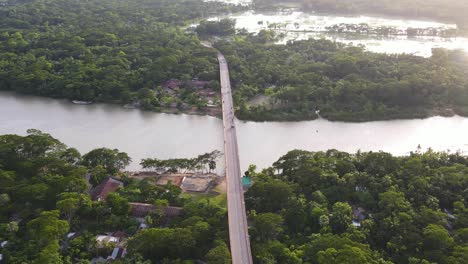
point(238, 228)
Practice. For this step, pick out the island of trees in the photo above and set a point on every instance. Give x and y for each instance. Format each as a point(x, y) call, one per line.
point(309, 207)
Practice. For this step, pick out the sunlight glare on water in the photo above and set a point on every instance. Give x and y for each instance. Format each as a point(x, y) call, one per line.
point(299, 25)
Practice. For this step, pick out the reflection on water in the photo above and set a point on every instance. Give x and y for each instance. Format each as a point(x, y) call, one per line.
point(299, 25)
point(145, 134)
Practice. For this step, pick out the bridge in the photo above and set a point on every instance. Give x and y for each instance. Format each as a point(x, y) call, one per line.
point(238, 228)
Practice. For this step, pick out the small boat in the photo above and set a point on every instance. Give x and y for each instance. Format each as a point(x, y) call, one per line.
point(82, 102)
point(129, 106)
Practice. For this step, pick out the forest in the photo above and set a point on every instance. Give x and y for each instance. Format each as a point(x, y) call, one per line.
point(45, 197)
point(145, 54)
point(328, 207)
point(105, 51)
point(453, 11)
point(342, 82)
point(368, 207)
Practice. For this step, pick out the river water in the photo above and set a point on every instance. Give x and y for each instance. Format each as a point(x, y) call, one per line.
point(297, 25)
point(145, 134)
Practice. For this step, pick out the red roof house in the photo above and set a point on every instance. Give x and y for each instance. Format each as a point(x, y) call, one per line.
point(142, 210)
point(108, 185)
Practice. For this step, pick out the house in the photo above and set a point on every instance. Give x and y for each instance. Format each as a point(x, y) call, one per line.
point(199, 84)
point(450, 215)
point(174, 180)
point(358, 216)
point(172, 211)
point(172, 84)
point(142, 210)
point(207, 93)
point(169, 91)
point(119, 234)
point(97, 260)
point(118, 252)
point(71, 235)
point(197, 183)
point(104, 239)
point(108, 185)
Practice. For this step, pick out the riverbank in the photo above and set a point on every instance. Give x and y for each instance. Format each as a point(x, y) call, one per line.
point(214, 112)
point(271, 115)
point(352, 117)
point(144, 134)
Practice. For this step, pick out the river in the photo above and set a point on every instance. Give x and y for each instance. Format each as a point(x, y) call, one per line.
point(297, 25)
point(146, 134)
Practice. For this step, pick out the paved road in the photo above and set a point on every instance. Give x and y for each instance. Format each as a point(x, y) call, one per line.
point(238, 228)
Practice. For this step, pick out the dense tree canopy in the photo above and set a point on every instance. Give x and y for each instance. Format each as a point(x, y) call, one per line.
point(104, 50)
point(360, 208)
point(343, 82)
point(309, 207)
point(126, 52)
point(44, 195)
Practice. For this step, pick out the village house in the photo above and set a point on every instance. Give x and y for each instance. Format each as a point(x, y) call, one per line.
point(197, 183)
point(174, 180)
point(143, 209)
point(101, 240)
point(117, 240)
point(199, 84)
point(358, 216)
point(108, 185)
point(174, 84)
point(2, 245)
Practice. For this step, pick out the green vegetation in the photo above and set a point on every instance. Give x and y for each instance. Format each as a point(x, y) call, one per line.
point(106, 51)
point(309, 207)
point(44, 195)
point(343, 82)
point(224, 27)
point(302, 208)
point(175, 165)
point(453, 11)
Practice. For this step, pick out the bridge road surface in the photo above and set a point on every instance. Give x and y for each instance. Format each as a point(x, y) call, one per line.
point(238, 228)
